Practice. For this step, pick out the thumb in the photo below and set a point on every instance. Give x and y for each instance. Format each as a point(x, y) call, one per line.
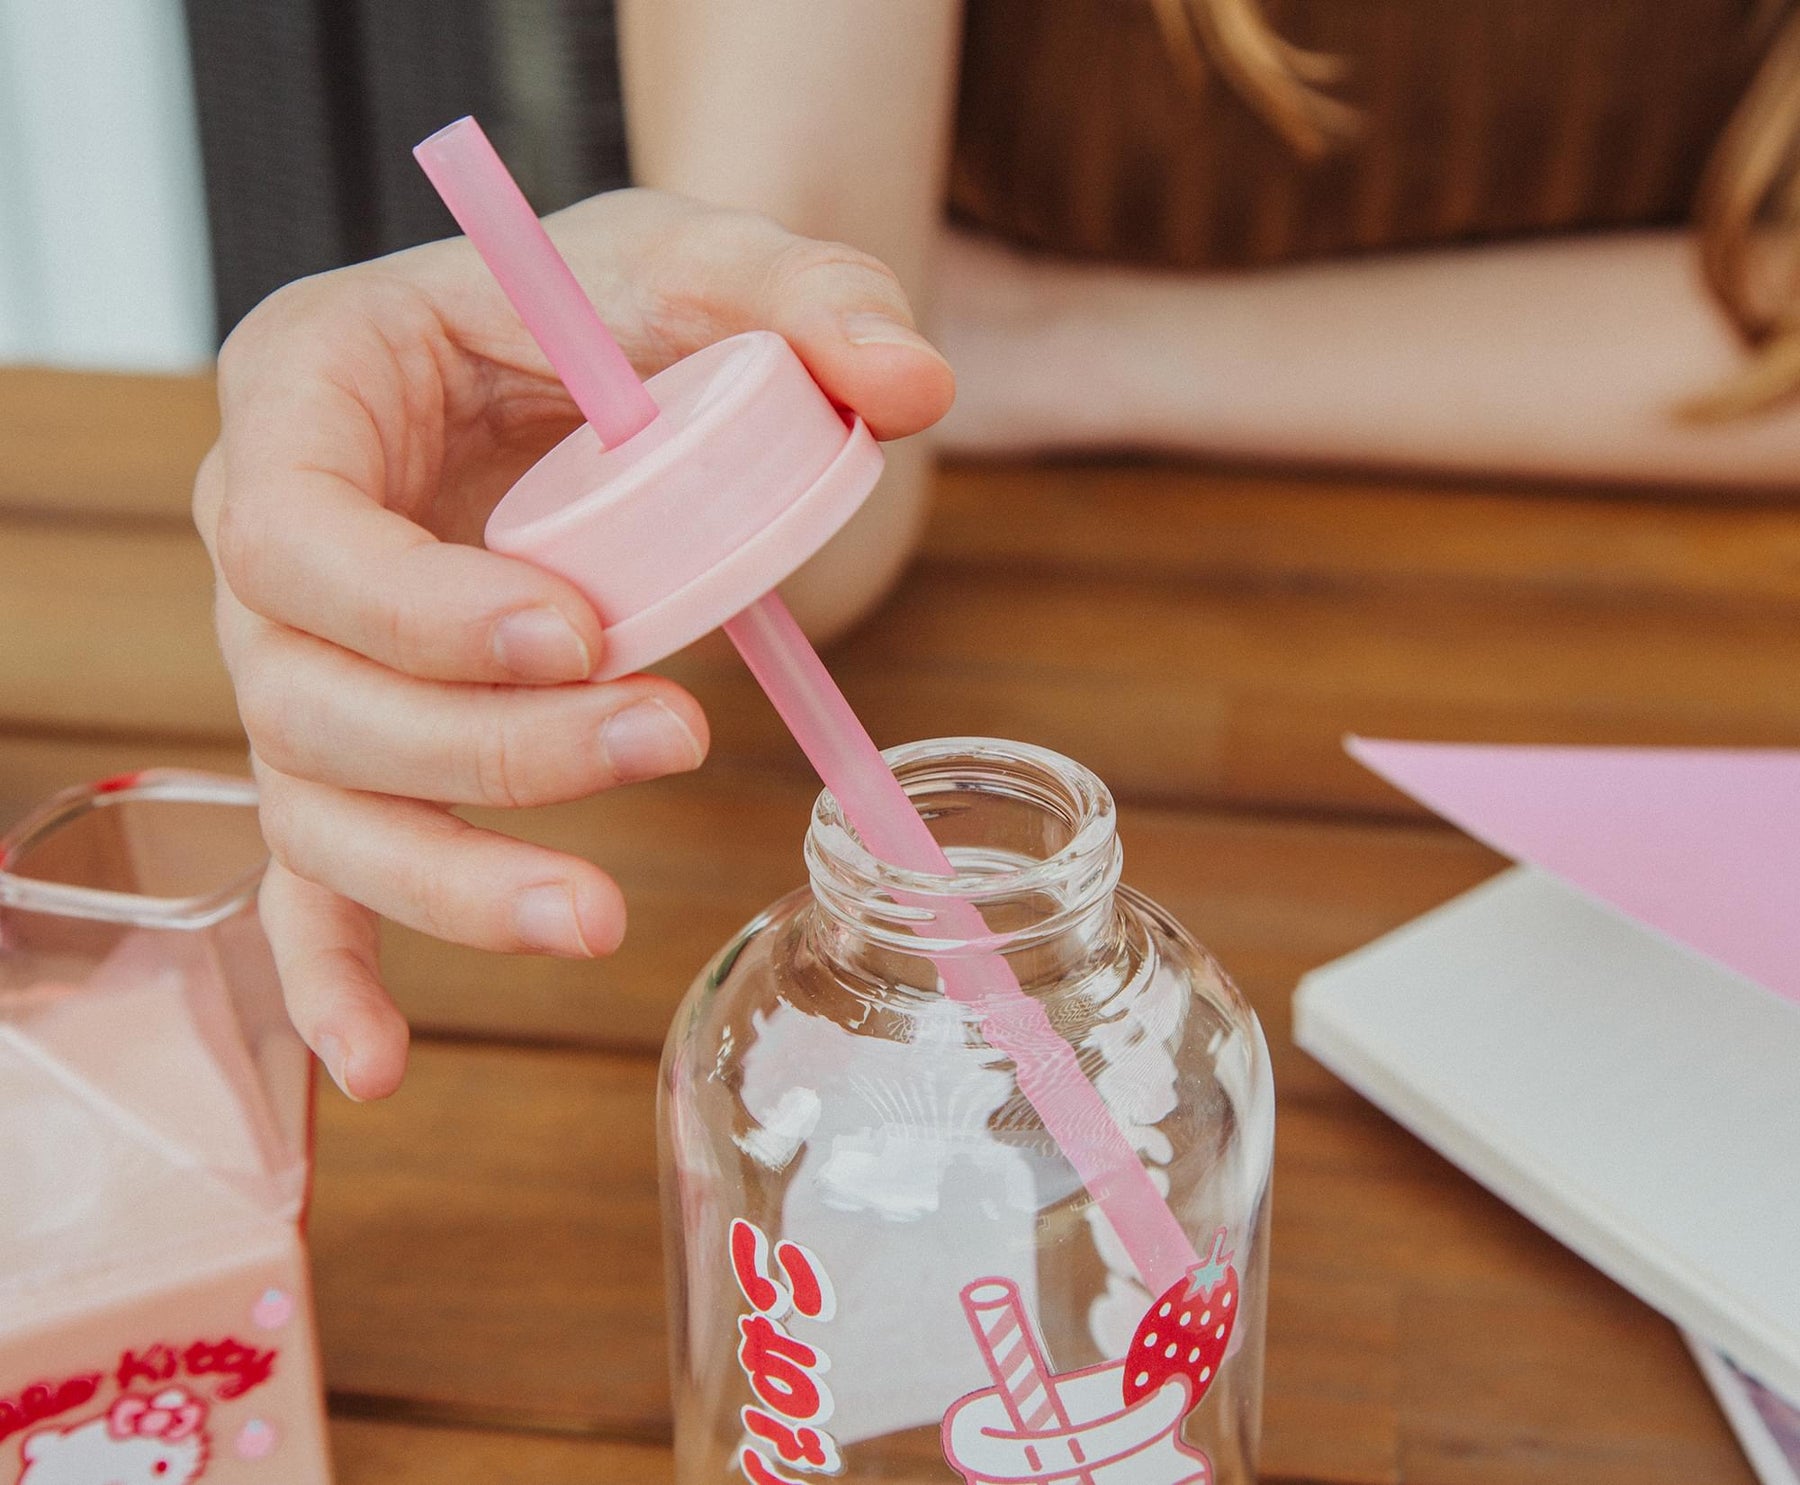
point(847, 317)
point(672, 275)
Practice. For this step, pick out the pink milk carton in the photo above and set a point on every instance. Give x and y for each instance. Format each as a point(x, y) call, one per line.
point(155, 1143)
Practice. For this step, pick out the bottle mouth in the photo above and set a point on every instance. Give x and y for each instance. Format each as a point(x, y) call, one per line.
point(1033, 836)
point(162, 848)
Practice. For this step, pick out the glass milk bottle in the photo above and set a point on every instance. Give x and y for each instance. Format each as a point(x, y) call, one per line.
point(881, 1265)
point(948, 1196)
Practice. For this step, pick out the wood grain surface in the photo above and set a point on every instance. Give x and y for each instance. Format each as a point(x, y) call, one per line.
point(373, 1452)
point(486, 1243)
point(1211, 667)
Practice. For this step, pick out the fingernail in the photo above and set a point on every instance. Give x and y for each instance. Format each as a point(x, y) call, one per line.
point(873, 329)
point(646, 741)
point(545, 920)
point(539, 644)
point(336, 1057)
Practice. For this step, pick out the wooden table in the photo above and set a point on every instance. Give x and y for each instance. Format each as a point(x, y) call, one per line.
point(1202, 638)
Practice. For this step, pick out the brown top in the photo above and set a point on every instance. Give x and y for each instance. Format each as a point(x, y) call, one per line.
point(1078, 133)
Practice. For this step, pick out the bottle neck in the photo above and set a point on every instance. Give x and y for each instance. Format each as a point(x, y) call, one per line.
point(1033, 838)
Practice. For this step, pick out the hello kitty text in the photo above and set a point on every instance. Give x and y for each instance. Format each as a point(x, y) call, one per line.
point(785, 1373)
point(234, 1368)
point(42, 1401)
point(241, 1368)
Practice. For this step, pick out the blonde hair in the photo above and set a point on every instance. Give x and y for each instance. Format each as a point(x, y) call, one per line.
point(1747, 214)
point(1749, 225)
point(1282, 82)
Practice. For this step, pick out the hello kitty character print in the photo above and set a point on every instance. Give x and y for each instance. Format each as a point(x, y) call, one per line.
point(142, 1439)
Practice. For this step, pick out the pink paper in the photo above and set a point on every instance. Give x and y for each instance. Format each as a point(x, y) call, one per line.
point(1702, 845)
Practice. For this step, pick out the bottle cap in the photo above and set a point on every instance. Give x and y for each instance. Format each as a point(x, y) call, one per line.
point(746, 472)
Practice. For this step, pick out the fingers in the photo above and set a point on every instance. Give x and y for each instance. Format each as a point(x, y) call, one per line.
point(380, 667)
point(691, 275)
point(846, 315)
point(318, 712)
point(422, 866)
point(325, 951)
point(335, 428)
point(369, 580)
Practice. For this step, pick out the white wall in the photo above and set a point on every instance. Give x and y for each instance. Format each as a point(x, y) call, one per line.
point(103, 243)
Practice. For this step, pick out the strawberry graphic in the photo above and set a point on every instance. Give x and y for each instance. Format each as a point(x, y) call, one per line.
point(1185, 1332)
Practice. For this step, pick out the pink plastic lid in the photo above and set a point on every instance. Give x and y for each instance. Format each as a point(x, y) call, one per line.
point(748, 470)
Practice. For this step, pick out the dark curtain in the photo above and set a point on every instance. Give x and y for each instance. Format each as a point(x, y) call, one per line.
point(309, 110)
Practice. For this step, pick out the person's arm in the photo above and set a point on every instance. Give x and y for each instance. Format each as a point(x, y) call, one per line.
point(1567, 358)
point(833, 117)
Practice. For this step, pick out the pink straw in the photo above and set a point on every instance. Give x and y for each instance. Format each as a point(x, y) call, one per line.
point(491, 209)
point(489, 206)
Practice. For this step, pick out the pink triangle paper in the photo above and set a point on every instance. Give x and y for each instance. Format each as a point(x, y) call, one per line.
point(1702, 845)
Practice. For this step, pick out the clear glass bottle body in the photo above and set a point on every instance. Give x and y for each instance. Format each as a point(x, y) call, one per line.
point(881, 1266)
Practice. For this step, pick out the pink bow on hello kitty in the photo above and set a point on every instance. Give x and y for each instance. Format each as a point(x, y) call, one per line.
point(171, 1416)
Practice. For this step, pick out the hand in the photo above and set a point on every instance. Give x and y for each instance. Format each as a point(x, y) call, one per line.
point(386, 666)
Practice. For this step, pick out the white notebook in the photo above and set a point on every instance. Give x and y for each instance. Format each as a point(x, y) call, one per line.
point(1767, 1426)
point(1636, 1100)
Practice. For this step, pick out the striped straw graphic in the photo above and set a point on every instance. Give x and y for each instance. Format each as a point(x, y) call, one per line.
point(1015, 1361)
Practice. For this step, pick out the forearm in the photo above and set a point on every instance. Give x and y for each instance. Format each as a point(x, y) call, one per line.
point(1561, 359)
point(831, 116)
